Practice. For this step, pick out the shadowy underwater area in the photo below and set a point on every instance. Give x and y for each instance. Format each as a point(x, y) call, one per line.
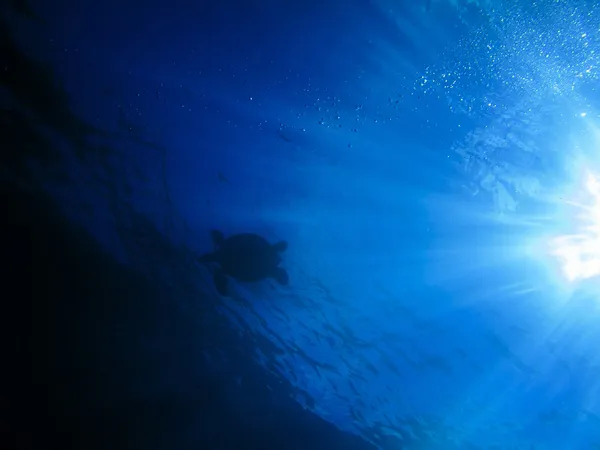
point(96, 354)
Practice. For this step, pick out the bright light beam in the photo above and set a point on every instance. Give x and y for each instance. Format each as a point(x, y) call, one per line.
point(579, 252)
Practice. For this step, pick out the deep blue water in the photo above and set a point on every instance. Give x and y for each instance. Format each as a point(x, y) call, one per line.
point(412, 154)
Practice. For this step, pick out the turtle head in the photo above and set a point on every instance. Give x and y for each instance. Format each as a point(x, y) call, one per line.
point(280, 246)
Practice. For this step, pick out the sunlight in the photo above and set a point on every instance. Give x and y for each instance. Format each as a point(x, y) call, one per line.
point(579, 252)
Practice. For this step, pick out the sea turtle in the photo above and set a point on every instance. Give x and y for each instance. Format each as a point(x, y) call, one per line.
point(245, 257)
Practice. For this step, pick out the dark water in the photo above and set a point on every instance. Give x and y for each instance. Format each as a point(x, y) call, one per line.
point(98, 357)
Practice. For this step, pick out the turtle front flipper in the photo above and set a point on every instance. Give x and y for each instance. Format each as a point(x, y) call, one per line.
point(221, 283)
point(217, 237)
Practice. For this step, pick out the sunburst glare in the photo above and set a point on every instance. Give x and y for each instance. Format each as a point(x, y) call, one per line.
point(579, 251)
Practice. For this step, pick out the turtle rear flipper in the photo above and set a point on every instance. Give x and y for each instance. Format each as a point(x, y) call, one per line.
point(207, 258)
point(220, 280)
point(281, 246)
point(281, 276)
point(217, 237)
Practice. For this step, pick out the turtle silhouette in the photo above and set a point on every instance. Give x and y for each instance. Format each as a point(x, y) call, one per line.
point(246, 257)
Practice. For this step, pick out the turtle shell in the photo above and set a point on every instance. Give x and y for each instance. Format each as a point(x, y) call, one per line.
point(247, 257)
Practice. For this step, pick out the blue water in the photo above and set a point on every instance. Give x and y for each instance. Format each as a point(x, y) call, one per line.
point(409, 152)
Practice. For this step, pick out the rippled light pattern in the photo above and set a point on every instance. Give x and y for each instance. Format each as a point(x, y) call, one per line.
point(543, 51)
point(579, 252)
